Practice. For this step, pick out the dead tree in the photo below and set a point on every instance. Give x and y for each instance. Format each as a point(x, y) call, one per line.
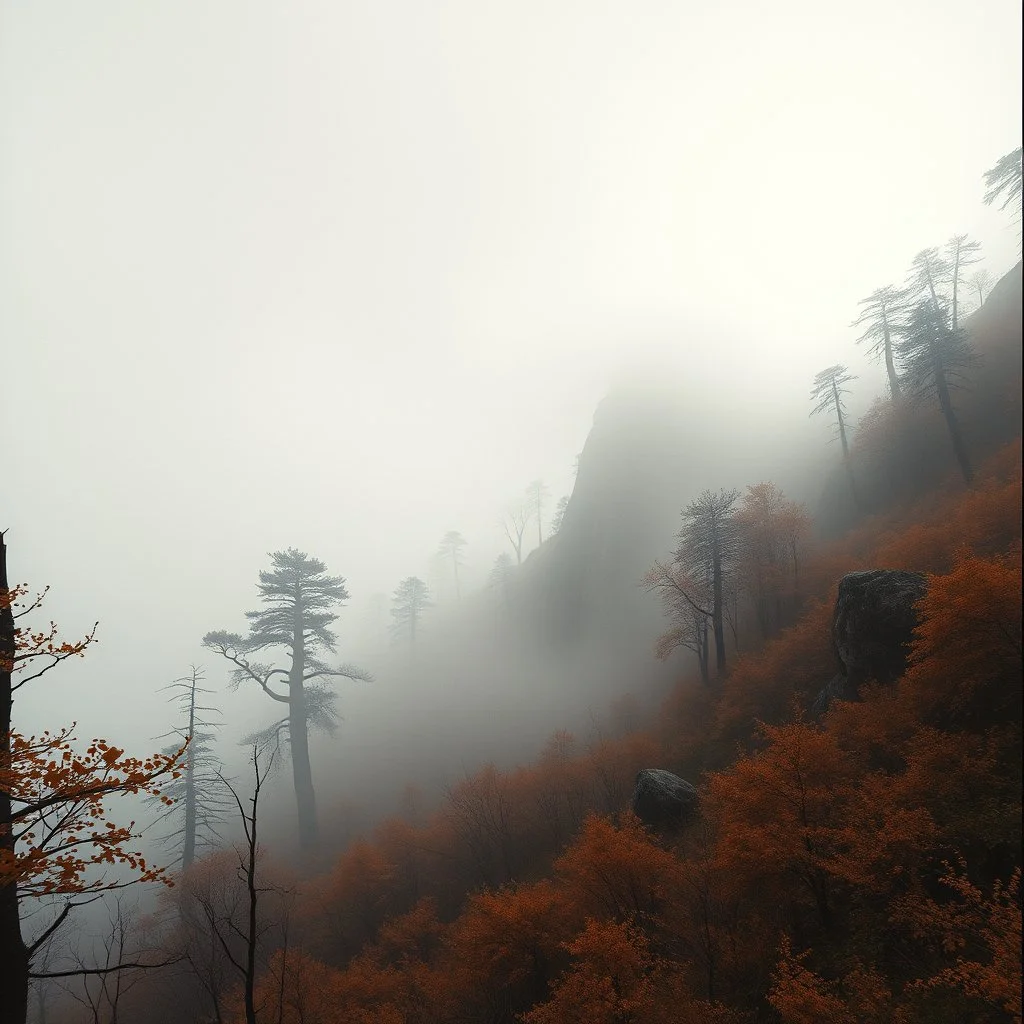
point(827, 391)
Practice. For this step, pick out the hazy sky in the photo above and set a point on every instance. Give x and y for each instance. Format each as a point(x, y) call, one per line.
point(347, 275)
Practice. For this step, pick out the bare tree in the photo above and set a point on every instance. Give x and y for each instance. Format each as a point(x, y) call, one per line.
point(979, 281)
point(536, 496)
point(450, 549)
point(934, 358)
point(103, 979)
point(514, 523)
point(688, 609)
point(961, 252)
point(882, 318)
point(199, 803)
point(410, 601)
point(827, 391)
point(300, 599)
point(236, 925)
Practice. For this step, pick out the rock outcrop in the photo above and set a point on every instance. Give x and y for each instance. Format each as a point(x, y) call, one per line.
point(663, 801)
point(872, 628)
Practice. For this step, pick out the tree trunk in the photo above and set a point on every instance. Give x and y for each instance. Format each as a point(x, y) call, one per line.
point(14, 961)
point(956, 282)
point(298, 737)
point(890, 364)
point(717, 609)
point(946, 404)
point(846, 446)
point(250, 945)
point(188, 851)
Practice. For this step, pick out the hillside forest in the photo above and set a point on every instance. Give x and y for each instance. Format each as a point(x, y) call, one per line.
point(850, 854)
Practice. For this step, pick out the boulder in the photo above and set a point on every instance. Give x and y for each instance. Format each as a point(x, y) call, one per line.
point(872, 628)
point(662, 800)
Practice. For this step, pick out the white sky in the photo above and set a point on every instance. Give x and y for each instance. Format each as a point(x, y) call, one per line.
point(346, 276)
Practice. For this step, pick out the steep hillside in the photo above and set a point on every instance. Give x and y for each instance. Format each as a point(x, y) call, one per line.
point(902, 451)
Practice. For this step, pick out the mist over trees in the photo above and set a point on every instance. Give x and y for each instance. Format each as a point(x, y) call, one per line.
point(411, 599)
point(826, 848)
point(193, 821)
point(299, 601)
point(827, 392)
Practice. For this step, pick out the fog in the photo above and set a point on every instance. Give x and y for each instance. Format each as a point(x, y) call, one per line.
point(345, 277)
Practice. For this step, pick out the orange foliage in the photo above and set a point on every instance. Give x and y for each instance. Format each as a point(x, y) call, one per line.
point(617, 871)
point(59, 824)
point(615, 978)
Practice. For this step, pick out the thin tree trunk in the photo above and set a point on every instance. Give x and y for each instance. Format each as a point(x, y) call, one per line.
point(188, 852)
point(845, 445)
point(298, 737)
point(946, 404)
point(890, 364)
point(956, 282)
point(14, 960)
point(250, 945)
point(717, 611)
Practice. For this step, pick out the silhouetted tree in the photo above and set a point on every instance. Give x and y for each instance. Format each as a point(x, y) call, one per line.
point(929, 271)
point(248, 931)
point(300, 599)
point(684, 604)
point(1003, 181)
point(556, 522)
point(707, 552)
point(410, 601)
point(979, 281)
point(934, 357)
point(199, 801)
point(536, 496)
point(514, 523)
point(827, 391)
point(450, 549)
point(883, 318)
point(961, 252)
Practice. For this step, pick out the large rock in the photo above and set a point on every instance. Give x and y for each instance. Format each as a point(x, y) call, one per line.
point(662, 800)
point(872, 628)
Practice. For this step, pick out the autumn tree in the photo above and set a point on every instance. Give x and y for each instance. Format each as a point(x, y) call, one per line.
point(536, 499)
point(299, 600)
point(771, 531)
point(961, 252)
point(57, 839)
point(193, 821)
point(450, 550)
point(934, 357)
point(411, 599)
point(882, 319)
point(827, 392)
